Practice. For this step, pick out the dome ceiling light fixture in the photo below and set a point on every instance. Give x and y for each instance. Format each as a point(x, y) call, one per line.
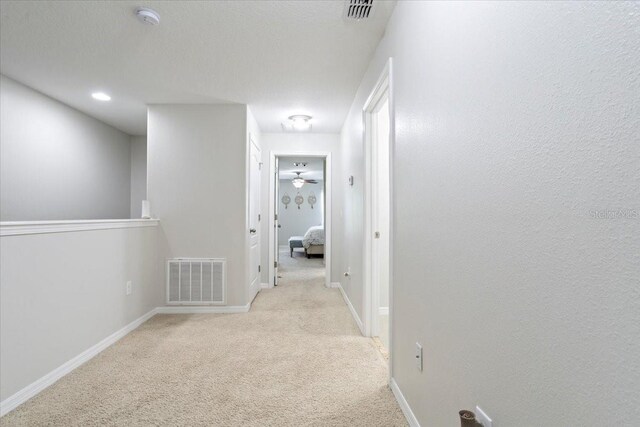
point(298, 123)
point(147, 16)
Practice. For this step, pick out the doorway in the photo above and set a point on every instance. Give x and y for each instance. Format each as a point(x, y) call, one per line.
point(300, 214)
point(378, 125)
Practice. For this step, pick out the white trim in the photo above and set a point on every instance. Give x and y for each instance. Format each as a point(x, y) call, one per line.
point(335, 284)
point(204, 309)
point(404, 405)
point(37, 386)
point(392, 207)
point(16, 228)
point(266, 285)
point(353, 310)
point(383, 311)
point(253, 293)
point(328, 206)
point(370, 297)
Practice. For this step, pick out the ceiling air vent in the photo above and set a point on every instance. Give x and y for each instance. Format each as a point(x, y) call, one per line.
point(358, 9)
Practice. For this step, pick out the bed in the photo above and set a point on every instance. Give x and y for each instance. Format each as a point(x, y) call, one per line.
point(312, 242)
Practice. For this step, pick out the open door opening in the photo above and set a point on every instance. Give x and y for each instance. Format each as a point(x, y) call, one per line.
point(299, 217)
point(300, 213)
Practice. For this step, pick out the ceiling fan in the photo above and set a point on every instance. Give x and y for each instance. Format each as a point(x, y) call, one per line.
point(299, 181)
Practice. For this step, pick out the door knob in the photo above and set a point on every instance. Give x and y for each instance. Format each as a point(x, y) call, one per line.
point(252, 230)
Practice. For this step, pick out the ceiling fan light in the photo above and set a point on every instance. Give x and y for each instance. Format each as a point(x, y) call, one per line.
point(297, 182)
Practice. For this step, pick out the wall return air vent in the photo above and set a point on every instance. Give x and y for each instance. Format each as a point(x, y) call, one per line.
point(196, 281)
point(357, 10)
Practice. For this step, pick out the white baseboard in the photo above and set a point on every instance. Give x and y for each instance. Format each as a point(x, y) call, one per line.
point(192, 309)
point(383, 311)
point(402, 402)
point(335, 285)
point(255, 291)
point(353, 310)
point(266, 285)
point(37, 386)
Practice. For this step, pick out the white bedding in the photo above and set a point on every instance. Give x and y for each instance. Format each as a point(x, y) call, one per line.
point(313, 236)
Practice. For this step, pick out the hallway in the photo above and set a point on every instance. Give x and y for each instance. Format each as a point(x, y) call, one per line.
point(463, 176)
point(297, 358)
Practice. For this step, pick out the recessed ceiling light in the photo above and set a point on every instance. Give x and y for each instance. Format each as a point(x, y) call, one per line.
point(101, 96)
point(147, 16)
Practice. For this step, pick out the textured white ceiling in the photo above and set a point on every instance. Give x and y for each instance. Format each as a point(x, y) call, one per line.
point(280, 57)
point(313, 170)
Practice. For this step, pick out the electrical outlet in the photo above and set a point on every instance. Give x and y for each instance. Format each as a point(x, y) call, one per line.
point(483, 418)
point(419, 357)
point(129, 287)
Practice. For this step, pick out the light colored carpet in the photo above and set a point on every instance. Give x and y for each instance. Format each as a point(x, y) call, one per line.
point(296, 359)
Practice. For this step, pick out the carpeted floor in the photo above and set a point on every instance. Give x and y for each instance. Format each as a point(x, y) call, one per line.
point(296, 359)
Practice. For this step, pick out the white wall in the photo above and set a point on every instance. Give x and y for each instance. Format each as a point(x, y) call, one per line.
point(197, 185)
point(294, 221)
point(138, 174)
point(301, 142)
point(515, 121)
point(62, 293)
point(58, 163)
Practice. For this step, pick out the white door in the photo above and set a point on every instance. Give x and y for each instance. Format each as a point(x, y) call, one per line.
point(380, 218)
point(276, 224)
point(377, 242)
point(255, 162)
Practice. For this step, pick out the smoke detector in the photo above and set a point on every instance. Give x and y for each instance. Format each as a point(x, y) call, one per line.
point(147, 16)
point(357, 10)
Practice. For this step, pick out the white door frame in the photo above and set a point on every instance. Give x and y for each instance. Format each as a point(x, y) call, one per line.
point(370, 297)
point(327, 198)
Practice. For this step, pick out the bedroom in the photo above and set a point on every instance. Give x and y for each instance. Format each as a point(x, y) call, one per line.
point(300, 212)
